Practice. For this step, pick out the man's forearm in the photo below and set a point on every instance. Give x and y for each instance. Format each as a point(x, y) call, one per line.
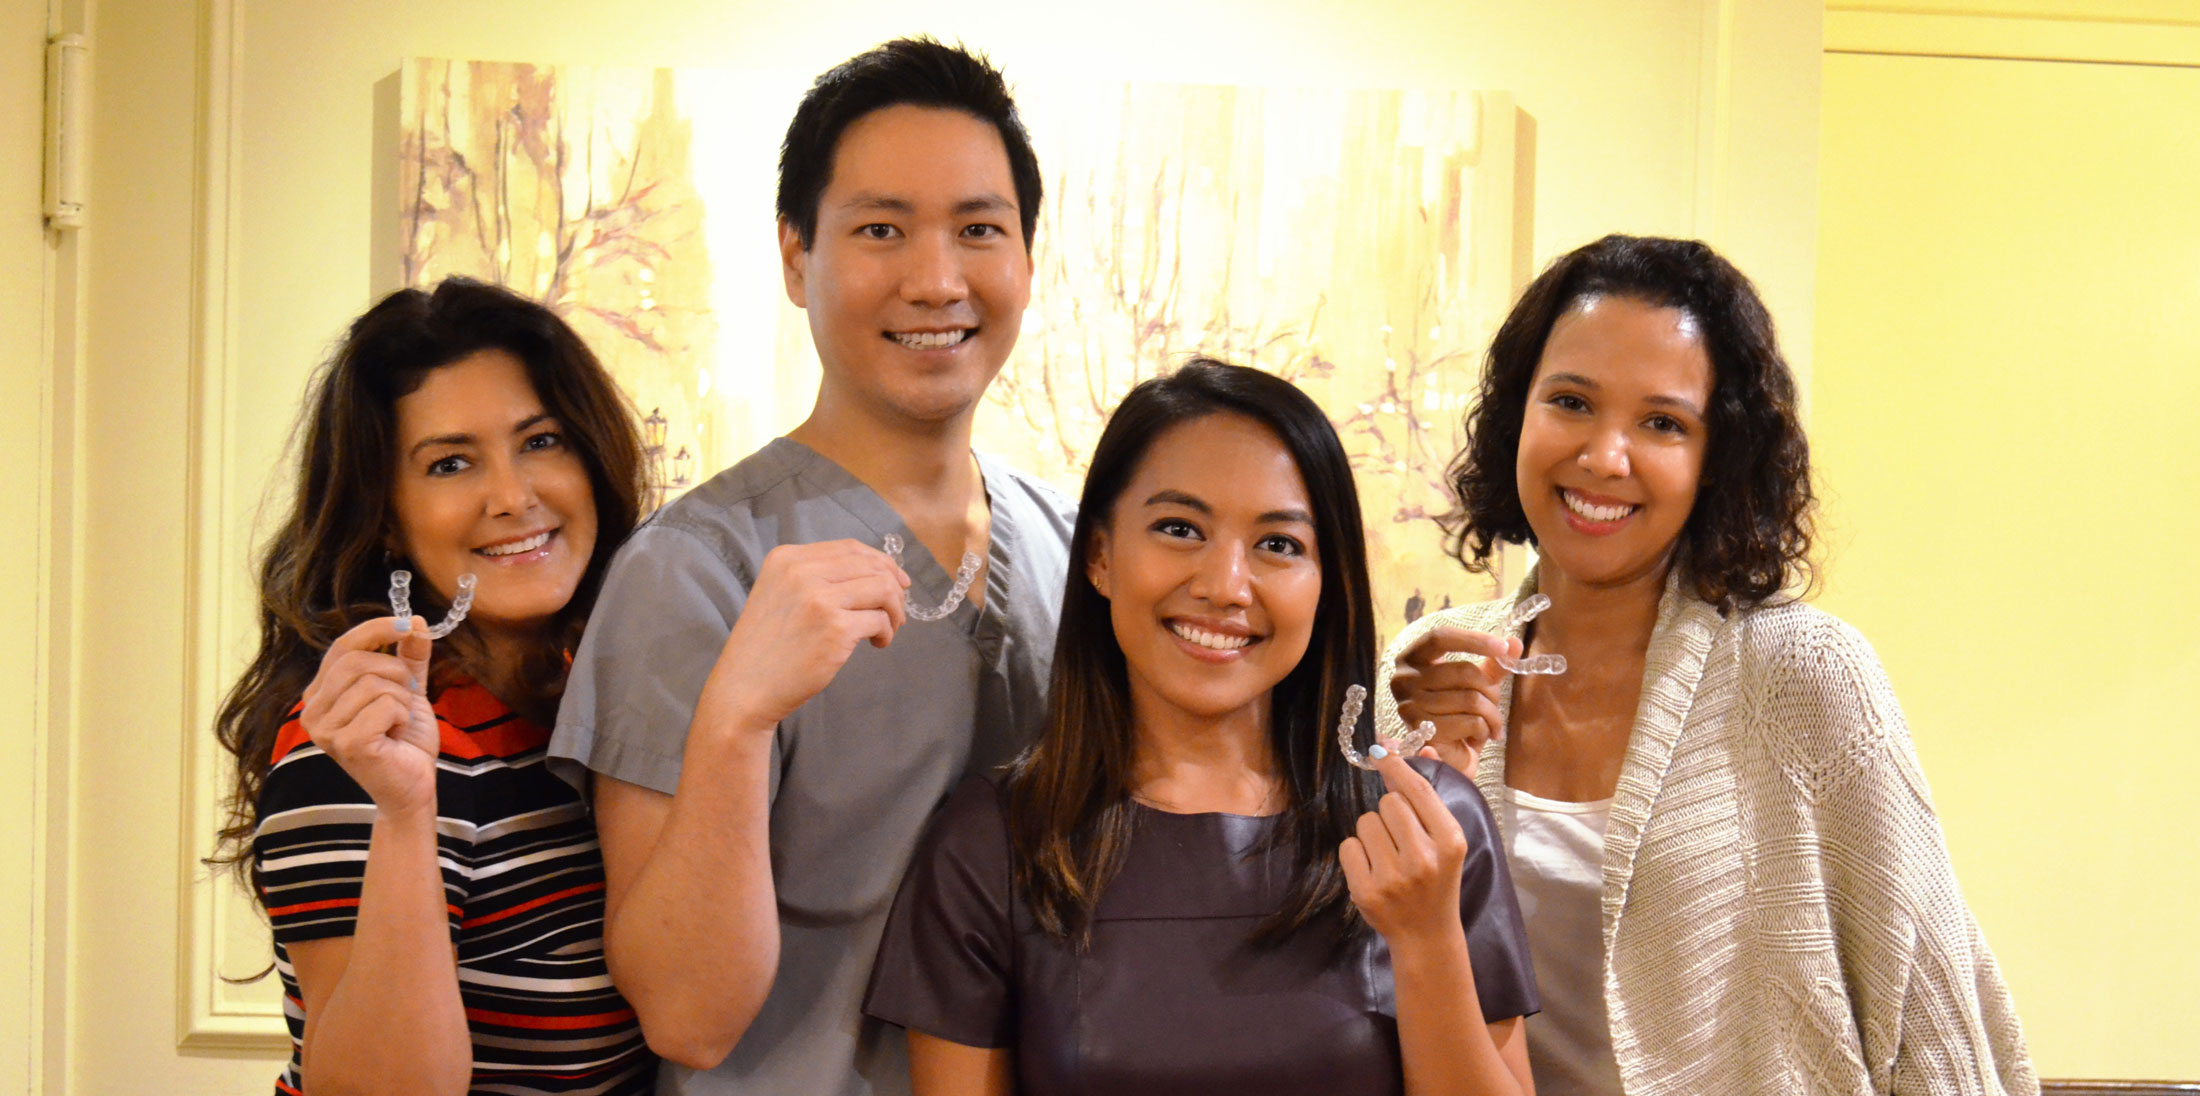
point(693, 942)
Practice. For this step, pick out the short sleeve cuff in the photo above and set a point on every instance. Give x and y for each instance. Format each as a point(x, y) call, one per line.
point(577, 750)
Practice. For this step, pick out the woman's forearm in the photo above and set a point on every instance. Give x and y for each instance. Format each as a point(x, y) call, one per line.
point(1446, 1047)
point(398, 985)
point(692, 931)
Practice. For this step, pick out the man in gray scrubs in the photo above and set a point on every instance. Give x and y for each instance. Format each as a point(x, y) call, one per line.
point(769, 726)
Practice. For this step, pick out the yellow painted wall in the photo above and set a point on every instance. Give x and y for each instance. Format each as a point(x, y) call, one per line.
point(2008, 373)
point(1666, 116)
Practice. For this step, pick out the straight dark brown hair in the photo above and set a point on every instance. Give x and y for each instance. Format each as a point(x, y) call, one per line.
point(1069, 795)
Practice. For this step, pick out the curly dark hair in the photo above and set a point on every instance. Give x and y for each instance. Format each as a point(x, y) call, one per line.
point(1748, 539)
point(324, 569)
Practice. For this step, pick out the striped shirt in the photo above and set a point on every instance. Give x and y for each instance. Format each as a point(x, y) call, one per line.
point(525, 886)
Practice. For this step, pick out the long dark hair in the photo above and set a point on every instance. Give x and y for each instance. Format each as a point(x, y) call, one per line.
point(1069, 795)
point(326, 568)
point(1749, 536)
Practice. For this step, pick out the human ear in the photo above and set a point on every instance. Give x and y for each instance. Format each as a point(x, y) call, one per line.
point(1096, 562)
point(794, 261)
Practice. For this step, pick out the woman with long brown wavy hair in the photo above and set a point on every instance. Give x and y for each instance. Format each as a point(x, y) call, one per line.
point(436, 894)
point(1183, 886)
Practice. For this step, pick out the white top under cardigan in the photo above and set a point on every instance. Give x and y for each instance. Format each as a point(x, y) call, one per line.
point(1778, 908)
point(1556, 851)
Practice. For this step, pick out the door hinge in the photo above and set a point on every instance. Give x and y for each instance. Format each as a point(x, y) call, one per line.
point(68, 87)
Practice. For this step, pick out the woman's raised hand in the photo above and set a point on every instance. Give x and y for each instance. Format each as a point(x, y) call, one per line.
point(1459, 696)
point(1403, 867)
point(369, 710)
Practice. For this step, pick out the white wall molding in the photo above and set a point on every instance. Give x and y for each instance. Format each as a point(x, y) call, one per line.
point(212, 1011)
point(1714, 115)
point(52, 425)
point(1756, 104)
point(1885, 29)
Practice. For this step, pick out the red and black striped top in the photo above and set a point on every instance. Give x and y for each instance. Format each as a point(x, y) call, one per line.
point(525, 883)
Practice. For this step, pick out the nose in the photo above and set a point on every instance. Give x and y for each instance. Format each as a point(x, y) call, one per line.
point(1605, 453)
point(934, 277)
point(511, 488)
point(1224, 576)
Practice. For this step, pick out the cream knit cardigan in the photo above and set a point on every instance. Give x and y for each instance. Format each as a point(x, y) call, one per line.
point(1779, 910)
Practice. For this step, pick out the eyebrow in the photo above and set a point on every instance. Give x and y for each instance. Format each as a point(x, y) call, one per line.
point(868, 200)
point(520, 427)
point(1579, 381)
point(1193, 502)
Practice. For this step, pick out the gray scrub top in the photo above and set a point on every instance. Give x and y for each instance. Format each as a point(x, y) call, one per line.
point(856, 771)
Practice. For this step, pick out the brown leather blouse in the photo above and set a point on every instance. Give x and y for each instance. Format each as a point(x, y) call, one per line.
point(1172, 996)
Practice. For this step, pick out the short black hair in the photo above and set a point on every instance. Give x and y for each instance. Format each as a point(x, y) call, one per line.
point(917, 71)
point(1749, 536)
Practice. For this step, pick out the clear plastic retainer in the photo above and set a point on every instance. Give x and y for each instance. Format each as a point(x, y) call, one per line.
point(1355, 698)
point(964, 576)
point(1533, 664)
point(401, 604)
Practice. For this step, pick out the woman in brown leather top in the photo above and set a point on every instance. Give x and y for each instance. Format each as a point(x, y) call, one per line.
point(1183, 886)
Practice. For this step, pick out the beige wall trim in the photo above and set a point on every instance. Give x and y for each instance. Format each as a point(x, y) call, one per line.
point(2120, 1088)
point(59, 654)
point(58, 657)
point(212, 1012)
point(2014, 37)
point(1714, 116)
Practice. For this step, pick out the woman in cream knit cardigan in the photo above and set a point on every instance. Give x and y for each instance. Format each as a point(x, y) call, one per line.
point(1726, 852)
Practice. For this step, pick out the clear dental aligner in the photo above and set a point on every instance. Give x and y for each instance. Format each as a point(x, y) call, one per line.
point(964, 576)
point(1533, 664)
point(401, 604)
point(1355, 698)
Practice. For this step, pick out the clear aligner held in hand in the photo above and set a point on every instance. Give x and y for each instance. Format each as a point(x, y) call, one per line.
point(1355, 698)
point(964, 576)
point(401, 604)
point(1533, 664)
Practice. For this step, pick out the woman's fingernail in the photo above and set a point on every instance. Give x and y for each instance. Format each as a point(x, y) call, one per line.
point(1377, 752)
point(412, 683)
point(404, 624)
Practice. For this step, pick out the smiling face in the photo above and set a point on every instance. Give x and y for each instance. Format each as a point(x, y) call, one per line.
point(917, 277)
point(486, 483)
point(1211, 572)
point(1612, 443)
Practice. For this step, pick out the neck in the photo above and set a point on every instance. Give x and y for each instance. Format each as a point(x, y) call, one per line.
point(1189, 764)
point(915, 466)
point(1598, 617)
point(504, 657)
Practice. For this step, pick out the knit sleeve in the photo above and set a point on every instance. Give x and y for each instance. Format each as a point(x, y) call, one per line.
point(1480, 617)
point(1933, 1013)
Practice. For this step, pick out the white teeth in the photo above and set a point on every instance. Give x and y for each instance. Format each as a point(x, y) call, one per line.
point(930, 340)
point(518, 546)
point(1593, 512)
point(1211, 640)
